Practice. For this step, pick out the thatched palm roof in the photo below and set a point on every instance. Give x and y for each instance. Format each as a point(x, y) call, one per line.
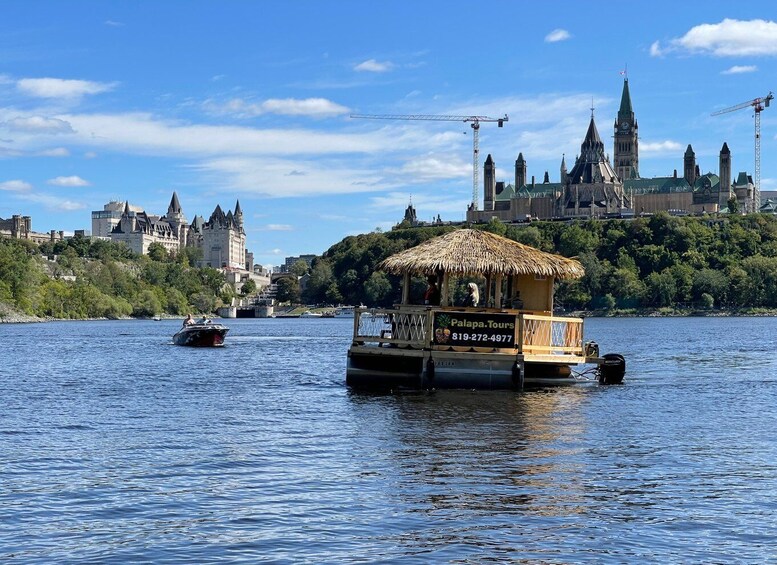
point(468, 252)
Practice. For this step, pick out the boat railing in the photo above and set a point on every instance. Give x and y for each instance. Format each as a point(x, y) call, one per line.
point(412, 326)
point(405, 327)
point(549, 335)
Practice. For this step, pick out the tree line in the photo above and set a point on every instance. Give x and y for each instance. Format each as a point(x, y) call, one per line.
point(81, 278)
point(727, 262)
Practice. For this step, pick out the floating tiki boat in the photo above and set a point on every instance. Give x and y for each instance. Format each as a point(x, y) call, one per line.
point(520, 343)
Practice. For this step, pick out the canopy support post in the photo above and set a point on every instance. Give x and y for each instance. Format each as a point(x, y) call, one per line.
point(444, 290)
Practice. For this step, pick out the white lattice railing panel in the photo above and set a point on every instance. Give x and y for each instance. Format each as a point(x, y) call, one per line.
point(373, 324)
point(409, 327)
point(549, 335)
point(392, 326)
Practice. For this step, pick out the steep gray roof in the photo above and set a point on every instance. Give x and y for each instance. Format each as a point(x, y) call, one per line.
point(592, 165)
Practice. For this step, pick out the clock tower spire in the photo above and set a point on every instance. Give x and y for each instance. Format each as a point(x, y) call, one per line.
point(626, 146)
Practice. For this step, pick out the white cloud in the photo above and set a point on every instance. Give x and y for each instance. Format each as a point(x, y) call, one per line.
point(53, 202)
point(38, 124)
point(90, 155)
point(68, 181)
point(373, 66)
point(666, 146)
point(433, 168)
point(54, 152)
point(729, 38)
point(113, 23)
point(307, 107)
point(61, 88)
point(739, 69)
point(268, 176)
point(15, 186)
point(278, 227)
point(557, 35)
point(425, 204)
point(314, 107)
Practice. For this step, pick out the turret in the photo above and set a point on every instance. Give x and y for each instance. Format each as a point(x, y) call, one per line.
point(563, 170)
point(489, 183)
point(238, 215)
point(626, 142)
point(520, 171)
point(689, 165)
point(724, 171)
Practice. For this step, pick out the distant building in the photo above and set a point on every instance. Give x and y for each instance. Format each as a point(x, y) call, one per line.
point(103, 221)
point(289, 261)
point(138, 230)
point(595, 187)
point(20, 227)
point(222, 238)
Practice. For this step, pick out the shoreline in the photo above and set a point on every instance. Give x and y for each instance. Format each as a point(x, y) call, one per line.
point(9, 315)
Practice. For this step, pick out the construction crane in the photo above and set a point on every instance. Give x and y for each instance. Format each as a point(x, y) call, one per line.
point(474, 121)
point(758, 104)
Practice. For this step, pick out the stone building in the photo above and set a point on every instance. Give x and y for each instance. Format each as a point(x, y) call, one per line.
point(103, 221)
point(20, 227)
point(595, 187)
point(138, 230)
point(222, 238)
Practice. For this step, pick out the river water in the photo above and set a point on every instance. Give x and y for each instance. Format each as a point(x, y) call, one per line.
point(118, 447)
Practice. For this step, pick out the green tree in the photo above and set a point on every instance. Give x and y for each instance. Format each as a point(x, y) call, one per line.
point(321, 279)
point(660, 288)
point(333, 295)
point(157, 252)
point(249, 287)
point(576, 241)
point(203, 301)
point(378, 290)
point(287, 290)
point(299, 268)
point(147, 304)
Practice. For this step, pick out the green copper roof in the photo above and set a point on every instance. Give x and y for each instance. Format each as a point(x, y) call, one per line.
point(656, 185)
point(625, 112)
point(742, 179)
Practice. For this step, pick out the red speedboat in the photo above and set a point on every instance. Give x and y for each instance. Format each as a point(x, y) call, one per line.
point(201, 334)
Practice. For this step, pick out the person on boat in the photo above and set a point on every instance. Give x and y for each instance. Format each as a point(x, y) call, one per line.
point(188, 321)
point(432, 294)
point(473, 295)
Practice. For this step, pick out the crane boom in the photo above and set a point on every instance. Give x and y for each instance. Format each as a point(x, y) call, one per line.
point(474, 122)
point(757, 104)
point(763, 102)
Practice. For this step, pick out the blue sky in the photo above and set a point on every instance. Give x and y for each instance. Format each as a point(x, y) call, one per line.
point(226, 100)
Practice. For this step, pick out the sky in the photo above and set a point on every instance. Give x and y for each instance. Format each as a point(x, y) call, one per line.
point(252, 101)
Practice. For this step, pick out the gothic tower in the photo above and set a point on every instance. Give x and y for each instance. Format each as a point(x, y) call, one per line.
point(689, 165)
point(593, 187)
point(239, 215)
point(563, 169)
point(176, 219)
point(520, 172)
point(489, 183)
point(626, 139)
point(724, 170)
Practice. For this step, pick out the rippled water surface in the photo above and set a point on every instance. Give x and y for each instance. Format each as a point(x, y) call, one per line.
point(118, 447)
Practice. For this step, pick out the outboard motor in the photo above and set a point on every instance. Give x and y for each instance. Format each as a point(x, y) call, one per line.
point(613, 369)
